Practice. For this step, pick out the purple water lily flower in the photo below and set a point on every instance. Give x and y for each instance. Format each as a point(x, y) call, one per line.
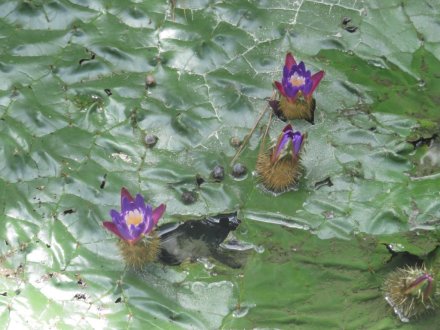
point(296, 138)
point(136, 218)
point(297, 80)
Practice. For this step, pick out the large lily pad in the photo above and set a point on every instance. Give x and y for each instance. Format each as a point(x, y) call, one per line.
point(76, 105)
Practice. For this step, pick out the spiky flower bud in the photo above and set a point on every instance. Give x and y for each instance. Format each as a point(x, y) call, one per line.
point(278, 168)
point(410, 291)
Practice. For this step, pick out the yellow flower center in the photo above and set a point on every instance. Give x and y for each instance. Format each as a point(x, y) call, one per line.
point(134, 217)
point(297, 80)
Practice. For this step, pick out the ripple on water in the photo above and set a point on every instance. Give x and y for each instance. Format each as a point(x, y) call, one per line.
point(242, 310)
point(237, 245)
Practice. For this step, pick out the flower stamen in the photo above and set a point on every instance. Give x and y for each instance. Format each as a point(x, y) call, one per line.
point(134, 217)
point(297, 80)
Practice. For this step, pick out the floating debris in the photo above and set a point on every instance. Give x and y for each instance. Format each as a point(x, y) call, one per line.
point(347, 26)
point(326, 182)
point(351, 29)
point(104, 178)
point(346, 20)
point(124, 157)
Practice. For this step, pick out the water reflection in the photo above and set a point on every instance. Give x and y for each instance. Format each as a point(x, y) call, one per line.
point(199, 239)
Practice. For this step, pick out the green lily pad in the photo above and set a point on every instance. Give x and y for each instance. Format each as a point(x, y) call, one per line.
point(76, 102)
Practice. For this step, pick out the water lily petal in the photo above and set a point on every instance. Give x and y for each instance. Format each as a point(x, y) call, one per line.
point(286, 73)
point(290, 61)
point(158, 212)
point(148, 219)
point(301, 69)
point(139, 203)
point(291, 91)
point(136, 232)
point(287, 129)
point(282, 140)
point(113, 228)
point(116, 216)
point(126, 200)
point(126, 194)
point(316, 78)
point(307, 87)
point(121, 226)
point(280, 88)
point(297, 142)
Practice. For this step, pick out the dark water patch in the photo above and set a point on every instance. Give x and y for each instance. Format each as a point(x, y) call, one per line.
point(195, 239)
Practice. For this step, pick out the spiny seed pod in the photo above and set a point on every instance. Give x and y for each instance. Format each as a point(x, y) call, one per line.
point(302, 108)
point(278, 168)
point(410, 291)
point(141, 253)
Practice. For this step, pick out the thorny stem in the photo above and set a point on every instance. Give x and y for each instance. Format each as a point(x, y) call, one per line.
point(249, 135)
point(263, 142)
